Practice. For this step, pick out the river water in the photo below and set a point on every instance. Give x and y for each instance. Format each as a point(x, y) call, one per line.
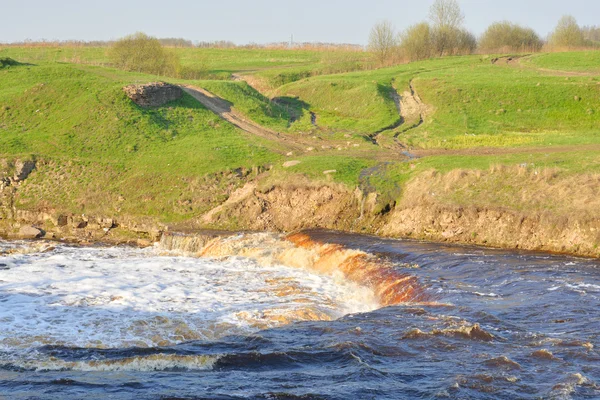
point(427, 321)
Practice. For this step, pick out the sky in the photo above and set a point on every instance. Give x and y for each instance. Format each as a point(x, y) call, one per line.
point(263, 21)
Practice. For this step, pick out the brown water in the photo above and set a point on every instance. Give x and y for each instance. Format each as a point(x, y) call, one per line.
point(314, 315)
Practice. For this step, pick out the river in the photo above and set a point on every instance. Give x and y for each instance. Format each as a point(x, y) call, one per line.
point(380, 319)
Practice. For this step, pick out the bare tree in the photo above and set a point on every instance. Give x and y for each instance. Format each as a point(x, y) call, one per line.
point(567, 34)
point(447, 20)
point(382, 41)
point(591, 34)
point(446, 14)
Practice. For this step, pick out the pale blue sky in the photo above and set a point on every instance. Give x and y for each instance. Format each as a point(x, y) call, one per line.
point(262, 21)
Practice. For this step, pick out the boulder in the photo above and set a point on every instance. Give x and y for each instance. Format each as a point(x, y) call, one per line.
point(23, 169)
point(62, 220)
point(30, 232)
point(288, 164)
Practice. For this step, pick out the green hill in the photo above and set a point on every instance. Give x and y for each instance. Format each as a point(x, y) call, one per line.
point(99, 153)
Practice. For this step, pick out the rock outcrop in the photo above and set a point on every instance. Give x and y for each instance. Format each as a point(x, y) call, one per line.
point(23, 169)
point(153, 94)
point(30, 232)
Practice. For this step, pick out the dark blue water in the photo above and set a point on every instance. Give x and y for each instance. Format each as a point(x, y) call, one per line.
point(504, 325)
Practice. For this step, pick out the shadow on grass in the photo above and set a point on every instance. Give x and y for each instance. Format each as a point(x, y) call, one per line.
point(9, 62)
point(295, 107)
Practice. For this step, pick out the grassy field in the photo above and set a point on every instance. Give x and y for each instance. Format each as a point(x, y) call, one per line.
point(275, 65)
point(66, 108)
point(580, 61)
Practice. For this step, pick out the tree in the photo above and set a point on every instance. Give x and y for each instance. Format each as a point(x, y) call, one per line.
point(446, 14)
point(567, 33)
point(447, 35)
point(382, 41)
point(142, 53)
point(466, 42)
point(415, 42)
point(506, 36)
point(591, 34)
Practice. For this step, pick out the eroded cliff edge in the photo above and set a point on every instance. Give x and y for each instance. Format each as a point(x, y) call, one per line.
point(540, 212)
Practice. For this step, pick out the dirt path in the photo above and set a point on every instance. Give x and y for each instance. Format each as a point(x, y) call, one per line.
point(224, 110)
point(412, 112)
point(488, 151)
point(517, 62)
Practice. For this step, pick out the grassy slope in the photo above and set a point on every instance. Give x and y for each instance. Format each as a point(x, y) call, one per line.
point(580, 61)
point(490, 105)
point(162, 161)
point(475, 103)
point(81, 117)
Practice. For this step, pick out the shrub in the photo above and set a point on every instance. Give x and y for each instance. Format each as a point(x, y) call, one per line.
point(447, 35)
point(142, 53)
point(506, 37)
point(416, 43)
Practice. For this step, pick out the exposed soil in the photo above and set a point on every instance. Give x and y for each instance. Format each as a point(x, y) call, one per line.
point(224, 110)
point(290, 208)
point(487, 151)
point(413, 110)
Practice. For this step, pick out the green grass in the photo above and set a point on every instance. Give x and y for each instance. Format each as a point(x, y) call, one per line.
point(473, 103)
point(250, 102)
point(345, 104)
point(487, 105)
point(214, 63)
point(100, 153)
point(68, 114)
point(581, 61)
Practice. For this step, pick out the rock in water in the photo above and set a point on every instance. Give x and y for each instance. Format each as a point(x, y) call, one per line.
point(30, 232)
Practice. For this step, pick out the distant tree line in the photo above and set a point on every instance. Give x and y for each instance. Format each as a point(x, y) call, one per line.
point(445, 35)
point(591, 34)
point(185, 43)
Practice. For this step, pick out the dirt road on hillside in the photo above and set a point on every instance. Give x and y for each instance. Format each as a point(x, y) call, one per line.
point(518, 62)
point(224, 110)
point(490, 151)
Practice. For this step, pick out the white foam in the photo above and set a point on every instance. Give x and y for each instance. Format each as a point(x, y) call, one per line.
point(155, 362)
point(124, 297)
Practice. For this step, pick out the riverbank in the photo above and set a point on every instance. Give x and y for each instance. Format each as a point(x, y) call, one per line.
point(423, 213)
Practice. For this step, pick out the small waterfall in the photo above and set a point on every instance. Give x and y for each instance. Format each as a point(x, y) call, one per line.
point(300, 251)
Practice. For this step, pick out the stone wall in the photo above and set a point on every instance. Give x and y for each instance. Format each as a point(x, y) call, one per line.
point(153, 94)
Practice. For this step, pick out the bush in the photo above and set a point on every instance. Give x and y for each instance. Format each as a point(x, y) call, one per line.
point(447, 35)
point(452, 41)
point(415, 42)
point(506, 37)
point(142, 53)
